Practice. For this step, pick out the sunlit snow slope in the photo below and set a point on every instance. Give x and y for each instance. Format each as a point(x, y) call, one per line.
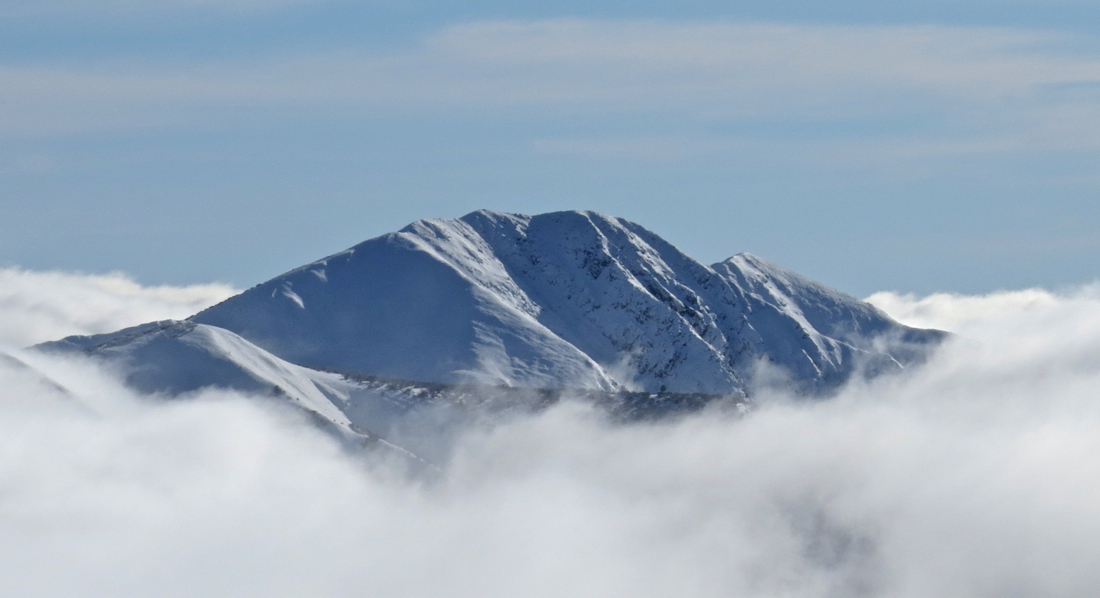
point(172, 358)
point(415, 420)
point(561, 300)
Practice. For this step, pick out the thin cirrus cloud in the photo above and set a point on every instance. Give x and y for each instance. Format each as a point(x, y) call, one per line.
point(30, 8)
point(989, 89)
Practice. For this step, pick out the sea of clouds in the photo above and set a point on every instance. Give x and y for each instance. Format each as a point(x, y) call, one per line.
point(41, 306)
point(976, 475)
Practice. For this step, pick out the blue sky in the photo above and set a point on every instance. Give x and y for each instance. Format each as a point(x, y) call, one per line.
point(936, 146)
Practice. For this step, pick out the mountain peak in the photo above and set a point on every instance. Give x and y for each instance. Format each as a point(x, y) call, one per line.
point(571, 299)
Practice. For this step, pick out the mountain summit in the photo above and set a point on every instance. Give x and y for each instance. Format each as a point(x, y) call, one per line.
point(404, 340)
point(561, 300)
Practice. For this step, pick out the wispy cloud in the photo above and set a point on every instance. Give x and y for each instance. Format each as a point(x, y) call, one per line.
point(30, 8)
point(988, 90)
point(636, 148)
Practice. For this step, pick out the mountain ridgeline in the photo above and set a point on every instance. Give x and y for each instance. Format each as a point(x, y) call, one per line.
point(405, 340)
point(562, 300)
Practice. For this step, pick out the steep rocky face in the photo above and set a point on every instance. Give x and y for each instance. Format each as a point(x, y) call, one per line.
point(561, 300)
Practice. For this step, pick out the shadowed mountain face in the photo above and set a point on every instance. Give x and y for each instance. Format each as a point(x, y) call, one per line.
point(561, 300)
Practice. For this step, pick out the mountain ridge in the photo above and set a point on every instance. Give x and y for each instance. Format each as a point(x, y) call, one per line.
point(404, 340)
point(412, 421)
point(566, 299)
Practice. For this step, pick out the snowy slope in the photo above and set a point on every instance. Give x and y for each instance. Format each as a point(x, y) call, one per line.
point(825, 313)
point(176, 357)
point(561, 300)
point(172, 358)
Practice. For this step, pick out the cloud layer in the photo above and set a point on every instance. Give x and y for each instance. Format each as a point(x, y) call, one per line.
point(40, 306)
point(1003, 312)
point(974, 476)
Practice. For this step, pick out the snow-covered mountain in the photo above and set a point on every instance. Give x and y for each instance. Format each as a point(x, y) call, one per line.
point(561, 300)
point(413, 420)
point(174, 357)
point(404, 340)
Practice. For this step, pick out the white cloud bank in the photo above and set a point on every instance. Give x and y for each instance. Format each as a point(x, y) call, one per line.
point(981, 315)
point(42, 306)
point(975, 476)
